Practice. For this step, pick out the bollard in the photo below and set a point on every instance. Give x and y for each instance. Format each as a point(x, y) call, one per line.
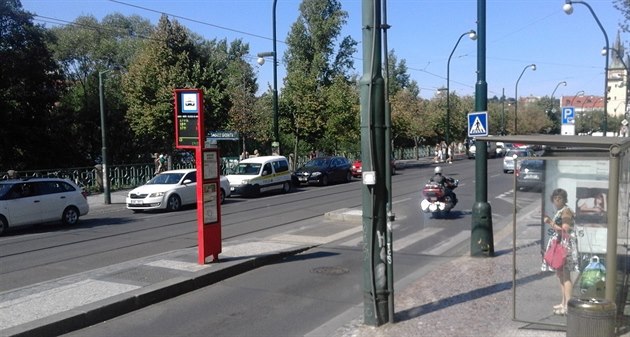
point(591, 317)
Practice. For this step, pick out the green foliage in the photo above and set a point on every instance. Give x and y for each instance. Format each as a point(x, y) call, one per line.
point(29, 88)
point(175, 58)
point(399, 78)
point(85, 50)
point(318, 102)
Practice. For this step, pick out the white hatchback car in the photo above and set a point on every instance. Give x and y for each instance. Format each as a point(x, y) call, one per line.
point(170, 190)
point(40, 200)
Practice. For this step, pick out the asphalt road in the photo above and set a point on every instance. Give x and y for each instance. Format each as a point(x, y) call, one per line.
point(290, 298)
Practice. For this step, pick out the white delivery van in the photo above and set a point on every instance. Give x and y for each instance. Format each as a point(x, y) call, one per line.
point(491, 148)
point(256, 175)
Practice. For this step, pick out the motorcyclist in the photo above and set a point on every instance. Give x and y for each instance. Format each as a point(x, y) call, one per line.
point(444, 181)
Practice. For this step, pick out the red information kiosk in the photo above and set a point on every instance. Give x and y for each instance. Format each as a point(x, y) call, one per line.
point(190, 134)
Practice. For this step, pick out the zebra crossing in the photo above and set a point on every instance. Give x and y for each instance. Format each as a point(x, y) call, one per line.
point(353, 238)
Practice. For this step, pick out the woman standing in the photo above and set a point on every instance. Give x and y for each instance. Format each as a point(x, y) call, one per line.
point(562, 226)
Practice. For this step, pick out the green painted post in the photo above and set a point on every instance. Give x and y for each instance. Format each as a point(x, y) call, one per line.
point(373, 156)
point(481, 236)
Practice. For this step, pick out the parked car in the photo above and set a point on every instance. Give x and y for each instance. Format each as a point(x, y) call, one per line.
point(325, 170)
point(530, 174)
point(357, 168)
point(510, 155)
point(256, 175)
point(170, 190)
point(40, 200)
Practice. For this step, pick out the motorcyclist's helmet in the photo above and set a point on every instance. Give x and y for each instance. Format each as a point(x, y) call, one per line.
point(437, 170)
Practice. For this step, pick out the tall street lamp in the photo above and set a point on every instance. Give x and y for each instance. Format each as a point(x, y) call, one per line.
point(568, 8)
point(533, 66)
point(106, 191)
point(473, 36)
point(579, 93)
point(552, 111)
point(275, 145)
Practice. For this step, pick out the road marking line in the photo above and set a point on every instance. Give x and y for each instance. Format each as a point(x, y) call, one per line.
point(408, 240)
point(447, 244)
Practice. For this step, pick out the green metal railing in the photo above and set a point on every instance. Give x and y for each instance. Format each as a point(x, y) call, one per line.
point(132, 175)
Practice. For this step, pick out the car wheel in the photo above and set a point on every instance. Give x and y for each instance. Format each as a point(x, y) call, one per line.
point(174, 203)
point(324, 180)
point(70, 216)
point(348, 177)
point(4, 225)
point(222, 195)
point(286, 187)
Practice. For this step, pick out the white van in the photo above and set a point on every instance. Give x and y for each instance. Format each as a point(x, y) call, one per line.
point(256, 175)
point(491, 148)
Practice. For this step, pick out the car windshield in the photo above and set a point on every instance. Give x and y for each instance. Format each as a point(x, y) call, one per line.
point(247, 168)
point(166, 179)
point(532, 164)
point(519, 153)
point(317, 163)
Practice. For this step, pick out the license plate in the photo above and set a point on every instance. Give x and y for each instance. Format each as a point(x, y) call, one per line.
point(531, 176)
point(302, 179)
point(136, 202)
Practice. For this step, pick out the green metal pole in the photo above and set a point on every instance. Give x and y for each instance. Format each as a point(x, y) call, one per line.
point(373, 139)
point(389, 237)
point(106, 192)
point(481, 236)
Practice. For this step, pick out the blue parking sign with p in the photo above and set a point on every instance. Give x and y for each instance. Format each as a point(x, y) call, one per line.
point(568, 115)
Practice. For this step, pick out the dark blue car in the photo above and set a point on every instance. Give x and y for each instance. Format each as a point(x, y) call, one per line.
point(324, 170)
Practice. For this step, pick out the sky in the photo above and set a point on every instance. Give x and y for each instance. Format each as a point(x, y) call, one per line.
point(423, 33)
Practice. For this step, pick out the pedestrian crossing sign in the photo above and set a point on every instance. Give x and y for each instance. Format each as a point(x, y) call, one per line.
point(478, 124)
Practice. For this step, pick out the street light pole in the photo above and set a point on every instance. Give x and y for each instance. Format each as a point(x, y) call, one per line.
point(568, 8)
point(552, 113)
point(581, 92)
point(473, 36)
point(533, 66)
point(503, 112)
point(275, 145)
point(106, 191)
point(554, 92)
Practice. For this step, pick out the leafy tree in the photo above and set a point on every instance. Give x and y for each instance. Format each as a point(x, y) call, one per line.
point(407, 114)
point(244, 116)
point(342, 99)
point(163, 64)
point(314, 63)
point(86, 50)
point(624, 7)
point(175, 58)
point(29, 87)
point(399, 78)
